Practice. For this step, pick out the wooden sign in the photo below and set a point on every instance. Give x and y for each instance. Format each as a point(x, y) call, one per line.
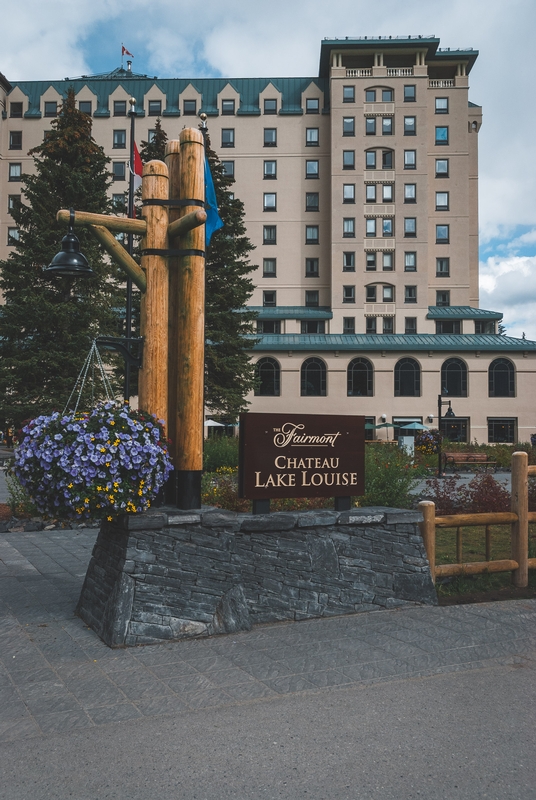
point(301, 455)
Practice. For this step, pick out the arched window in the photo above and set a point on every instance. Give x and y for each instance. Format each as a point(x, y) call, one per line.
point(360, 377)
point(454, 378)
point(501, 378)
point(407, 378)
point(313, 378)
point(268, 374)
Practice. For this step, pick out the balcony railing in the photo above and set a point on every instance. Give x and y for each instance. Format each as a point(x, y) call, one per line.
point(441, 83)
point(359, 73)
point(399, 72)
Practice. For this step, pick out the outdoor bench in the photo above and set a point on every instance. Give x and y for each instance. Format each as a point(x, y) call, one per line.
point(479, 460)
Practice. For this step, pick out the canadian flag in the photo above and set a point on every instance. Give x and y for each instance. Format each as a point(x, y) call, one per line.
point(125, 52)
point(137, 167)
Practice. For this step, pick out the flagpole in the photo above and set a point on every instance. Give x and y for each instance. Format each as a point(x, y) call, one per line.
point(130, 248)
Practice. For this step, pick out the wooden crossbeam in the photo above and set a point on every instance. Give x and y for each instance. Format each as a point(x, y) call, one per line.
point(118, 224)
point(118, 253)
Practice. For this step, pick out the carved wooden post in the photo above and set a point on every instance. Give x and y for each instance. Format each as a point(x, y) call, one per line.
point(520, 529)
point(427, 526)
point(153, 377)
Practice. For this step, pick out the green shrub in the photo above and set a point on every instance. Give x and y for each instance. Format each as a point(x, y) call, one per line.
point(220, 451)
point(19, 501)
point(390, 477)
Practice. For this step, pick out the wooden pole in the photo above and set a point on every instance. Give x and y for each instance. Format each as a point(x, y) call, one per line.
point(191, 325)
point(520, 528)
point(475, 568)
point(181, 226)
point(119, 224)
point(427, 526)
point(153, 378)
point(118, 253)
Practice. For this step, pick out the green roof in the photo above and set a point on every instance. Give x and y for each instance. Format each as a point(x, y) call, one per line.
point(461, 312)
point(292, 312)
point(393, 342)
point(139, 85)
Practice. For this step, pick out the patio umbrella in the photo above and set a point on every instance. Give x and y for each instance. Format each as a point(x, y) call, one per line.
point(385, 425)
point(414, 426)
point(369, 426)
point(211, 423)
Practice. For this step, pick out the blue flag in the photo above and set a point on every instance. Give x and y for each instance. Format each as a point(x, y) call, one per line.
point(213, 222)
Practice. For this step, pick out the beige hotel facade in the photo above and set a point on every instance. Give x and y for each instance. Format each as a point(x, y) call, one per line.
point(360, 189)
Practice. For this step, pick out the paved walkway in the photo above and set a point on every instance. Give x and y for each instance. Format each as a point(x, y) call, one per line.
point(432, 702)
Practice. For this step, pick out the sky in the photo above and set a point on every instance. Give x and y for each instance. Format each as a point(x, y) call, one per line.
point(242, 38)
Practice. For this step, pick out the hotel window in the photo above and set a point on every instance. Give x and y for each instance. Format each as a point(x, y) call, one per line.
point(155, 108)
point(312, 201)
point(410, 126)
point(348, 159)
point(13, 236)
point(312, 105)
point(348, 294)
point(370, 126)
point(312, 298)
point(227, 137)
point(15, 140)
point(387, 262)
point(501, 378)
point(410, 159)
point(228, 168)
point(370, 294)
point(348, 193)
point(484, 326)
point(370, 262)
point(270, 170)
point(15, 172)
point(85, 107)
point(441, 134)
point(388, 226)
point(189, 108)
point(442, 201)
point(388, 294)
point(410, 93)
point(410, 294)
point(442, 267)
point(312, 169)
point(370, 159)
point(15, 110)
point(410, 325)
point(370, 193)
point(312, 326)
point(407, 378)
point(120, 140)
point(228, 107)
point(442, 234)
point(410, 193)
point(502, 430)
point(269, 299)
point(313, 378)
point(410, 227)
point(268, 375)
point(348, 126)
point(311, 137)
point(269, 234)
point(348, 228)
point(387, 159)
point(387, 192)
point(410, 262)
point(443, 298)
point(387, 126)
point(311, 234)
point(370, 227)
point(270, 106)
point(312, 268)
point(118, 170)
point(348, 261)
point(370, 325)
point(442, 168)
point(388, 325)
point(348, 325)
point(120, 108)
point(448, 326)
point(387, 95)
point(118, 203)
point(151, 135)
point(441, 105)
point(269, 202)
point(12, 201)
point(51, 108)
point(348, 94)
point(270, 137)
point(269, 268)
point(269, 326)
point(370, 95)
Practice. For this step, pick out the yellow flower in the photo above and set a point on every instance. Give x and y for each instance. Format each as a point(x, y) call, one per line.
point(70, 486)
point(112, 423)
point(109, 519)
point(103, 449)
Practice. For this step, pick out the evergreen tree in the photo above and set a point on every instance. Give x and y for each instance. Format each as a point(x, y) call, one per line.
point(47, 324)
point(156, 148)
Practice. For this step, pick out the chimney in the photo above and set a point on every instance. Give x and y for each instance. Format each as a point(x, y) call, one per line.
point(129, 66)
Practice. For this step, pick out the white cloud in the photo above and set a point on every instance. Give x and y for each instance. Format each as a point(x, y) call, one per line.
point(509, 285)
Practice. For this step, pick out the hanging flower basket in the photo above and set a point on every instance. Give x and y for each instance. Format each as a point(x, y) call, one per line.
point(110, 461)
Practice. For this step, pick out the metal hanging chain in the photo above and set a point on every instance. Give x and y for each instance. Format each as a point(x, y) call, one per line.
point(93, 357)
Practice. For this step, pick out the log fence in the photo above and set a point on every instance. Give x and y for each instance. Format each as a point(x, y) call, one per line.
point(518, 518)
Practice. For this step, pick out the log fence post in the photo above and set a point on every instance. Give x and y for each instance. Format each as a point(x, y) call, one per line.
point(520, 528)
point(428, 531)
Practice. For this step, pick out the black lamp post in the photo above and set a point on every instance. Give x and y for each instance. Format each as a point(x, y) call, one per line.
point(130, 249)
point(449, 414)
point(70, 262)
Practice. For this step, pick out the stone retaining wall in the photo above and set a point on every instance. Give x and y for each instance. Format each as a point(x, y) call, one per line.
point(171, 574)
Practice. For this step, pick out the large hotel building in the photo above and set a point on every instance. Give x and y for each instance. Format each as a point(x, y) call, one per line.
point(361, 196)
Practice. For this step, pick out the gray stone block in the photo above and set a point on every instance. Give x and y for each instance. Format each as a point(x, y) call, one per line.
point(137, 522)
point(221, 519)
point(183, 519)
point(232, 613)
point(324, 558)
point(316, 519)
point(419, 588)
point(268, 522)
